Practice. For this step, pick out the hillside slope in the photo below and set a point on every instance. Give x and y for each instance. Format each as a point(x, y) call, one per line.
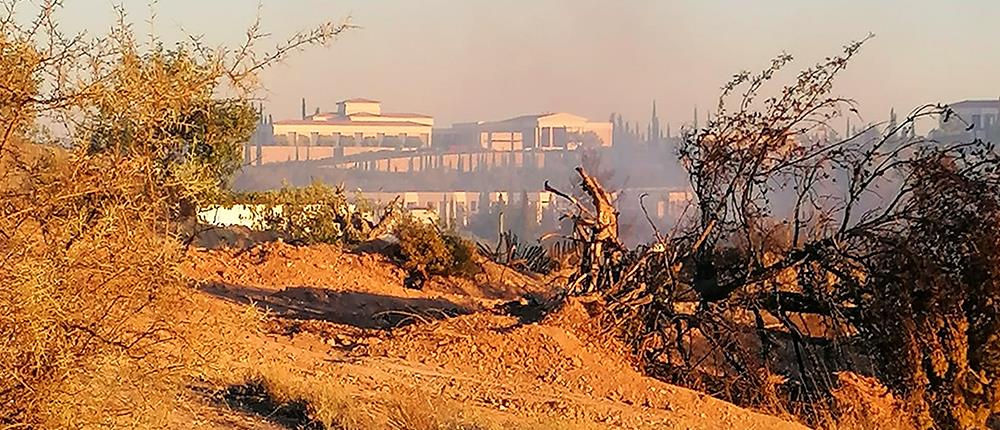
point(344, 321)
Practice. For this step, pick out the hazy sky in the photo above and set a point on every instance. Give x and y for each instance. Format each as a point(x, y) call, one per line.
point(464, 60)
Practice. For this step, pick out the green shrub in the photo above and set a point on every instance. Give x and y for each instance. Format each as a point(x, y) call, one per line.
point(422, 247)
point(428, 251)
point(463, 255)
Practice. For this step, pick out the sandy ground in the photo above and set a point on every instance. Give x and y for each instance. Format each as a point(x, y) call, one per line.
point(345, 319)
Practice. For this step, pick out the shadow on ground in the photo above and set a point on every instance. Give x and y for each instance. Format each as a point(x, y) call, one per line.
point(362, 310)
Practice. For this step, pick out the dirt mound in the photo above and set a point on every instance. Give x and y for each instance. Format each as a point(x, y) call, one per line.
point(275, 265)
point(347, 318)
point(560, 365)
point(502, 348)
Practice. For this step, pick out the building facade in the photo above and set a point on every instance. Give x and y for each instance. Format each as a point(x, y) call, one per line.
point(548, 131)
point(357, 126)
point(467, 161)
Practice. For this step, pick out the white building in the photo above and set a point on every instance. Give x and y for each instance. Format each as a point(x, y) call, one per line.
point(547, 131)
point(358, 125)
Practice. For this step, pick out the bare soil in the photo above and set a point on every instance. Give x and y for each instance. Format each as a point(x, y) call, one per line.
point(345, 319)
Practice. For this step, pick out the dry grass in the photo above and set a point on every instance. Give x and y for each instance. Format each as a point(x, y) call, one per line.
point(331, 406)
point(98, 328)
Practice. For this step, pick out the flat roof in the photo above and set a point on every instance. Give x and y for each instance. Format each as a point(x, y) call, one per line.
point(359, 100)
point(343, 123)
point(393, 115)
point(977, 104)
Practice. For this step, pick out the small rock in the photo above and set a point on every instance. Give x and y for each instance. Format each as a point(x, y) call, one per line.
point(344, 340)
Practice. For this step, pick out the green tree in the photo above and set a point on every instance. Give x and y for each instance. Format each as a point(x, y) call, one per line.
point(194, 138)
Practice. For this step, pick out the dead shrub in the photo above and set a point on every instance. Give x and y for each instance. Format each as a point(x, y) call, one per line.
point(810, 254)
point(862, 402)
point(932, 303)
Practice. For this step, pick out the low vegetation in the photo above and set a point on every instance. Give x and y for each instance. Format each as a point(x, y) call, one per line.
point(511, 251)
point(426, 250)
point(295, 401)
point(325, 406)
point(319, 213)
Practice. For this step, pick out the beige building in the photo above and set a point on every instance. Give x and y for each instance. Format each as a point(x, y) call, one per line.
point(548, 131)
point(357, 126)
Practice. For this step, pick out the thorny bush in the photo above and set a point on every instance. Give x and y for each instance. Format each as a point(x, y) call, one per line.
point(88, 237)
point(511, 251)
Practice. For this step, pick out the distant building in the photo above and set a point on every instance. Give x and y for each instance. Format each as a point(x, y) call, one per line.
point(357, 126)
point(408, 142)
point(456, 208)
point(981, 116)
point(454, 160)
point(547, 131)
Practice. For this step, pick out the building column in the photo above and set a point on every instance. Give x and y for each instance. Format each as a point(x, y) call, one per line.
point(538, 137)
point(260, 152)
point(293, 139)
point(313, 138)
point(552, 137)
